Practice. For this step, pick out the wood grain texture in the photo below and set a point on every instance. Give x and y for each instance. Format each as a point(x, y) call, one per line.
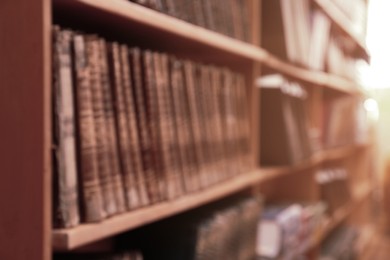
point(25, 182)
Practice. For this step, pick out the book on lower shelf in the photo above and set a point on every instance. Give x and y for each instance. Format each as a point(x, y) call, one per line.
point(222, 230)
point(340, 244)
point(136, 127)
point(287, 230)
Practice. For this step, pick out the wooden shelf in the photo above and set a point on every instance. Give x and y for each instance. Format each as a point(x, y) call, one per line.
point(343, 23)
point(316, 159)
point(190, 40)
point(67, 239)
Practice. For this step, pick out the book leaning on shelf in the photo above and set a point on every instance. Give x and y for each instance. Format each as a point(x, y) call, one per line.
point(230, 17)
point(135, 127)
point(287, 121)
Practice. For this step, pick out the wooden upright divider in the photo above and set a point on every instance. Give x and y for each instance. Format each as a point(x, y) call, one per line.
point(25, 132)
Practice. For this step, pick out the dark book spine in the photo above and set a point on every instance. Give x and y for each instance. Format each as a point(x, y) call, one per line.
point(142, 124)
point(66, 212)
point(112, 141)
point(100, 126)
point(135, 152)
point(87, 154)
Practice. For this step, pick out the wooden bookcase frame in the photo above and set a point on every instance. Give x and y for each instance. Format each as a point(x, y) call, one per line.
point(25, 104)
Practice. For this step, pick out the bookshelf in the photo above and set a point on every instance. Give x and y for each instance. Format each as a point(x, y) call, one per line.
point(25, 98)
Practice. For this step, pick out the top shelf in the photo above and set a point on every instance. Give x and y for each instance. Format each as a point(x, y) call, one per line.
point(342, 22)
point(171, 34)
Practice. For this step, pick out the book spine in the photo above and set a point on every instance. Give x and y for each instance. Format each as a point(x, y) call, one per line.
point(138, 181)
point(91, 191)
point(177, 92)
point(142, 124)
point(195, 116)
point(115, 170)
point(153, 117)
point(66, 212)
point(103, 162)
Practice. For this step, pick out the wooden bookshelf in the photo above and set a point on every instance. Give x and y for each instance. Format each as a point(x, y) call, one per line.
point(202, 41)
point(25, 77)
point(68, 239)
point(342, 22)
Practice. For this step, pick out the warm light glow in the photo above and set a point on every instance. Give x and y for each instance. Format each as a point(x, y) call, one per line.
point(371, 106)
point(377, 75)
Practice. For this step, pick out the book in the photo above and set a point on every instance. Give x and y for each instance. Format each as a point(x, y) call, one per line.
point(65, 183)
point(92, 198)
point(100, 126)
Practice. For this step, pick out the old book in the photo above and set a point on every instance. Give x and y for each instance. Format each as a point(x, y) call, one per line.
point(112, 141)
point(100, 127)
point(166, 123)
point(198, 155)
point(152, 119)
point(66, 212)
point(182, 126)
point(138, 178)
point(92, 201)
point(142, 125)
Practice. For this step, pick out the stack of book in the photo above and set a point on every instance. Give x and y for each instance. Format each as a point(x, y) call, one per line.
point(131, 255)
point(334, 187)
point(223, 231)
point(288, 122)
point(286, 231)
point(134, 127)
point(227, 17)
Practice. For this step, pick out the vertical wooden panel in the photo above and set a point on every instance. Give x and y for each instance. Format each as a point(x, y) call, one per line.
point(25, 129)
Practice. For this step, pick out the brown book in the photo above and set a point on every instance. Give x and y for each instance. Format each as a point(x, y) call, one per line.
point(198, 155)
point(169, 148)
point(243, 123)
point(228, 121)
point(219, 144)
point(138, 180)
point(181, 124)
point(122, 131)
point(152, 118)
point(100, 126)
point(115, 169)
point(66, 212)
point(199, 16)
point(142, 124)
point(92, 201)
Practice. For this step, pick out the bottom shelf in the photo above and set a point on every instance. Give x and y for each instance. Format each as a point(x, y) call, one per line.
point(68, 239)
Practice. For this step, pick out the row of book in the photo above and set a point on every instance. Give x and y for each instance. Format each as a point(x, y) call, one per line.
point(134, 127)
point(130, 255)
point(284, 135)
point(226, 230)
point(304, 35)
point(334, 187)
point(227, 17)
point(342, 120)
point(286, 231)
